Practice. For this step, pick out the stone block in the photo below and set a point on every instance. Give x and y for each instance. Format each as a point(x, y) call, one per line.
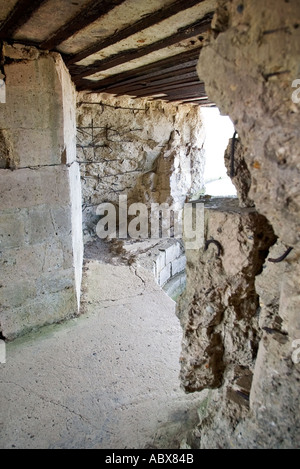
point(55, 282)
point(30, 261)
point(40, 226)
point(47, 223)
point(178, 265)
point(164, 275)
point(37, 312)
point(36, 75)
point(61, 219)
point(173, 252)
point(31, 187)
point(66, 243)
point(40, 111)
point(31, 110)
point(160, 262)
point(40, 219)
point(35, 147)
point(12, 230)
point(53, 256)
point(16, 293)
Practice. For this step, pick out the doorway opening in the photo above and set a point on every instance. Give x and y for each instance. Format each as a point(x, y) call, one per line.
point(218, 129)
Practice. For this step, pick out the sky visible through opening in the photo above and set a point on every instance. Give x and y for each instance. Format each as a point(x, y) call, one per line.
point(219, 129)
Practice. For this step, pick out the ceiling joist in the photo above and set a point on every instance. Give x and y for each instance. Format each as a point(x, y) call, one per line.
point(190, 31)
point(94, 61)
point(160, 68)
point(142, 86)
point(20, 14)
point(165, 89)
point(93, 11)
point(141, 25)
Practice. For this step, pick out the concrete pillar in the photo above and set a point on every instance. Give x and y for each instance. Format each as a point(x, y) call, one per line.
point(41, 248)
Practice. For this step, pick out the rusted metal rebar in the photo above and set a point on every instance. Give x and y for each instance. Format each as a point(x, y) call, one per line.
point(213, 241)
point(281, 258)
point(232, 168)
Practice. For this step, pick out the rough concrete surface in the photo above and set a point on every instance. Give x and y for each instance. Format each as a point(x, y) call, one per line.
point(253, 56)
point(107, 379)
point(150, 151)
point(248, 66)
point(41, 246)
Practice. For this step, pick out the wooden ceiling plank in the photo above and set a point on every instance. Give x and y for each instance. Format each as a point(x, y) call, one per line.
point(186, 93)
point(180, 97)
point(89, 13)
point(145, 91)
point(188, 89)
point(141, 85)
point(19, 15)
point(140, 25)
point(159, 75)
point(161, 89)
point(140, 72)
point(187, 32)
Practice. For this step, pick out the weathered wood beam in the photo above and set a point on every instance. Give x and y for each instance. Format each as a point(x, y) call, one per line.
point(180, 97)
point(187, 32)
point(144, 23)
point(204, 99)
point(19, 15)
point(193, 91)
point(163, 89)
point(89, 13)
point(150, 78)
point(144, 85)
point(204, 103)
point(163, 67)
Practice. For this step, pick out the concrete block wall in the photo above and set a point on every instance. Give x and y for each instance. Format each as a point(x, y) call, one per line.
point(41, 247)
point(170, 261)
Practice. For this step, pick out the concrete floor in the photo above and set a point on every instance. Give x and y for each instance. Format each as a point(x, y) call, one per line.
point(107, 379)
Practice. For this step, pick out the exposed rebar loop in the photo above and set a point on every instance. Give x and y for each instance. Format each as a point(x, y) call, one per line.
point(281, 258)
point(232, 168)
point(213, 241)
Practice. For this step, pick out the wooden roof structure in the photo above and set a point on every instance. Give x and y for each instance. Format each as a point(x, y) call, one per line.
point(140, 48)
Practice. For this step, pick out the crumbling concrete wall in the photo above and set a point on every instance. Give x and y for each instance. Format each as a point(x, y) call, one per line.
point(40, 227)
point(252, 367)
point(150, 151)
point(237, 169)
point(249, 68)
point(218, 309)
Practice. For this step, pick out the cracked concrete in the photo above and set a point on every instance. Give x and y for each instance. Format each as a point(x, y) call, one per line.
point(108, 379)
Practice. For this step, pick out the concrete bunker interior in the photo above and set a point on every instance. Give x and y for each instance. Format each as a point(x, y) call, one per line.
point(102, 100)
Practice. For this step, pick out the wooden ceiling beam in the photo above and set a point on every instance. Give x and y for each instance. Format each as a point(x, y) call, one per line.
point(150, 78)
point(162, 89)
point(163, 66)
point(20, 14)
point(142, 85)
point(89, 13)
point(195, 100)
point(120, 58)
point(180, 97)
point(190, 91)
point(142, 24)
